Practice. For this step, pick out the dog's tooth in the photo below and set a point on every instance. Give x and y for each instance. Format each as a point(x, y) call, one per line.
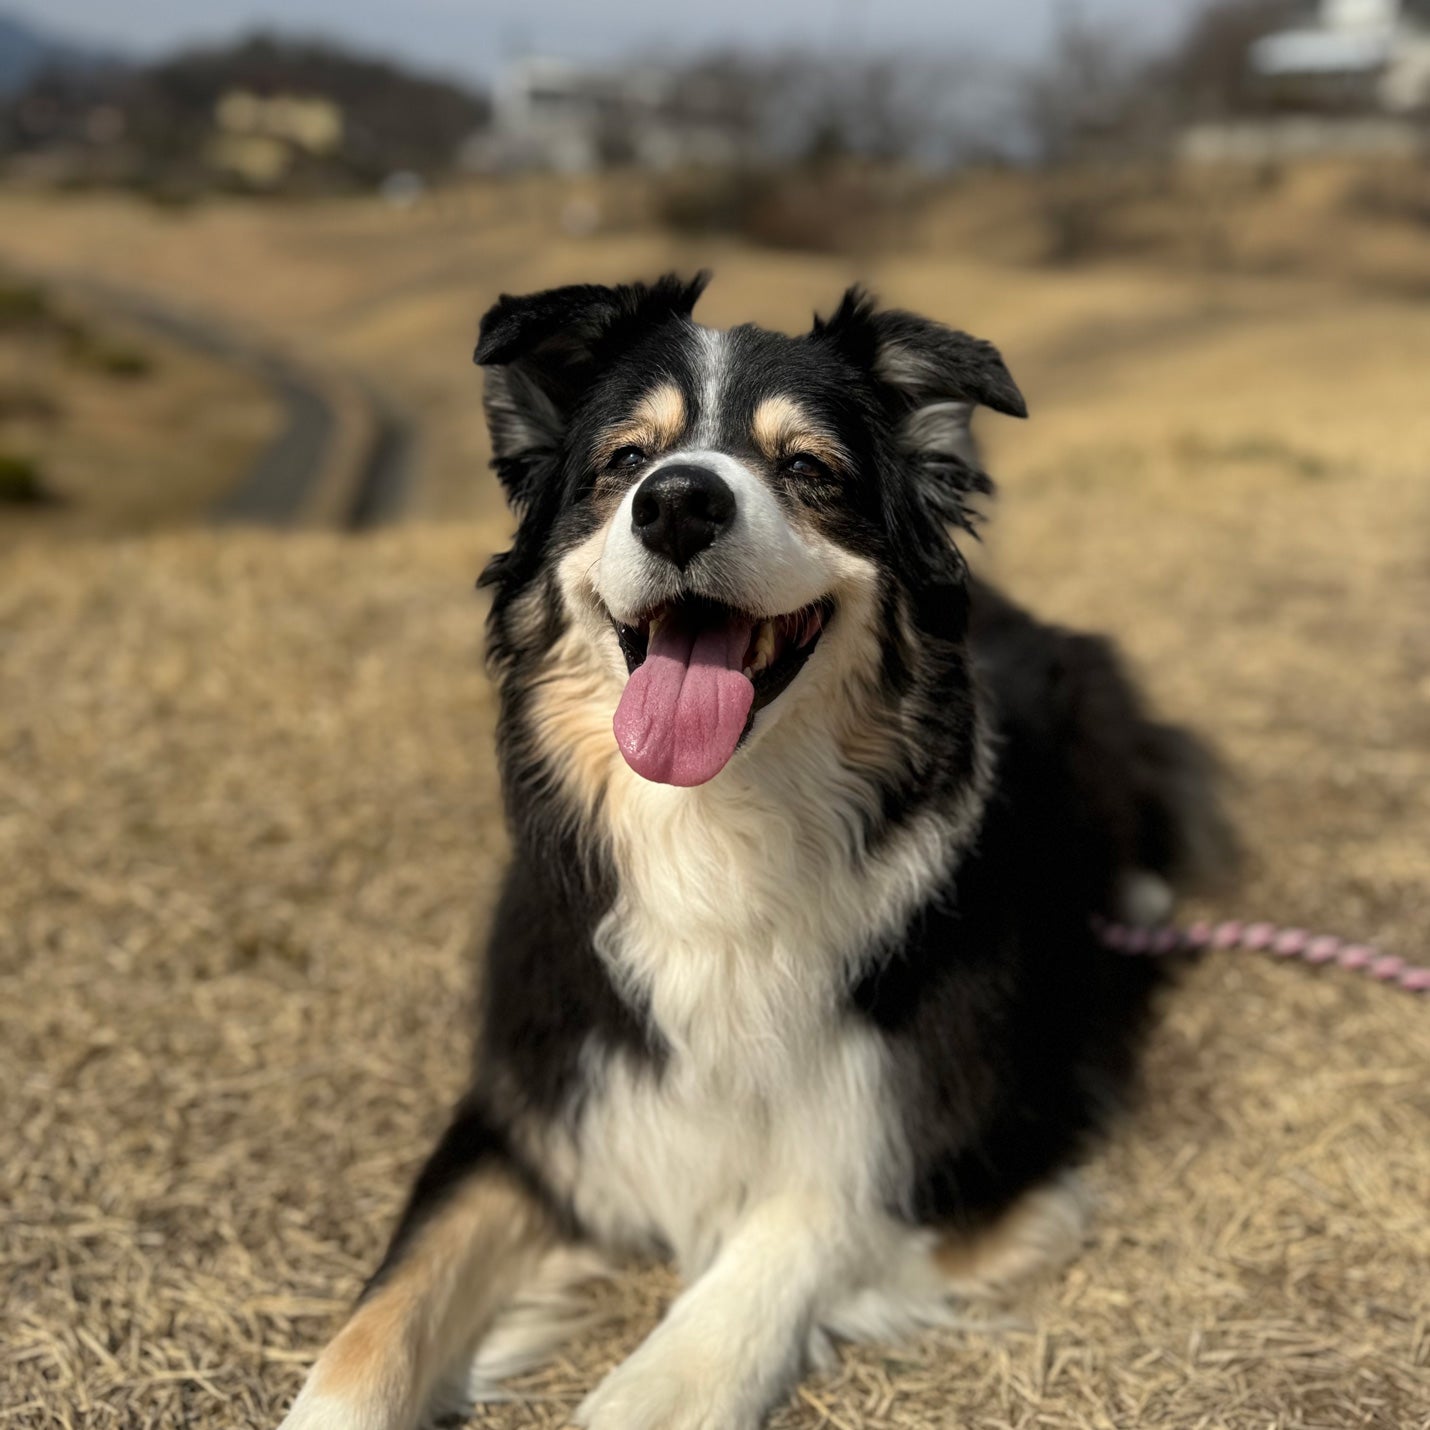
point(765, 645)
point(653, 626)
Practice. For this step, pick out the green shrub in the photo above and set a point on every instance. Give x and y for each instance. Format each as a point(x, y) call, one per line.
point(21, 483)
point(105, 356)
point(23, 306)
point(817, 208)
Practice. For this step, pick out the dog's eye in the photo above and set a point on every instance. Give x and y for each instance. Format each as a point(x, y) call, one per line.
point(625, 459)
point(801, 464)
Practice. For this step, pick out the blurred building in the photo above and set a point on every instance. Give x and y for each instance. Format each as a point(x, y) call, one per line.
point(1356, 54)
point(260, 137)
point(550, 114)
point(1351, 78)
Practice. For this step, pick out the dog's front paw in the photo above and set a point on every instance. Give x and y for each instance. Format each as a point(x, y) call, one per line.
point(666, 1386)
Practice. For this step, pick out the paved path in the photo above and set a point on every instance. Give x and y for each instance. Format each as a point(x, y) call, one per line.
point(282, 477)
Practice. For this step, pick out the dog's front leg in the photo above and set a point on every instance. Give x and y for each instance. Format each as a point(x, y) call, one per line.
point(735, 1338)
point(472, 1235)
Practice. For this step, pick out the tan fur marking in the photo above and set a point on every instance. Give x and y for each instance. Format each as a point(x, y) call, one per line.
point(459, 1270)
point(781, 427)
point(572, 715)
point(1038, 1234)
point(656, 424)
point(355, 1362)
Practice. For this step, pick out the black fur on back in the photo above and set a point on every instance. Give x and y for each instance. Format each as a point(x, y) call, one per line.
point(1019, 1029)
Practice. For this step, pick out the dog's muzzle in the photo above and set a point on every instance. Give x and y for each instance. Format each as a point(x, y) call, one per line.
point(717, 601)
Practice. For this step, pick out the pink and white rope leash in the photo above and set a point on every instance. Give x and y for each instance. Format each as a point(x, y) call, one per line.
point(1265, 938)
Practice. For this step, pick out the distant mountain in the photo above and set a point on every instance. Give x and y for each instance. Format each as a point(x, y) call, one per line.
point(261, 113)
point(391, 117)
point(26, 49)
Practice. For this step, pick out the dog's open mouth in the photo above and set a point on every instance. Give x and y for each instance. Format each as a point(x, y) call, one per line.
point(699, 671)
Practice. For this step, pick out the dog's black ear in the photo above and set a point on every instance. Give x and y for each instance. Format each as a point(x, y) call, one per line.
point(540, 352)
point(931, 377)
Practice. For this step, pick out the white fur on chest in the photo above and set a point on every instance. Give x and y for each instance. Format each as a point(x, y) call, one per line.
point(740, 913)
point(744, 904)
point(672, 1161)
point(743, 907)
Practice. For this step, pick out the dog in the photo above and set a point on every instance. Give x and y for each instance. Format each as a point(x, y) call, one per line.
point(793, 977)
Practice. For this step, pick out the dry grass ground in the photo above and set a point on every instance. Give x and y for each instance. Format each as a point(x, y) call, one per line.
point(128, 431)
point(248, 823)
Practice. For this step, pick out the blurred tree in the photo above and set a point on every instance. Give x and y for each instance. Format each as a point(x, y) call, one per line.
point(155, 124)
point(1209, 71)
point(1092, 98)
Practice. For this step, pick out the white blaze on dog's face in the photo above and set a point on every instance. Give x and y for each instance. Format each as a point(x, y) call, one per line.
point(734, 521)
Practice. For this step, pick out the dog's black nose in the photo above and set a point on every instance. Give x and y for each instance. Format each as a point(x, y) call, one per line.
point(679, 510)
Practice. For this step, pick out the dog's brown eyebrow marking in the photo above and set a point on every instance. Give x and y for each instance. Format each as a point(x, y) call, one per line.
point(656, 423)
point(781, 427)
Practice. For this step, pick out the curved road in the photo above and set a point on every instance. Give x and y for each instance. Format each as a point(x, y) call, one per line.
point(281, 478)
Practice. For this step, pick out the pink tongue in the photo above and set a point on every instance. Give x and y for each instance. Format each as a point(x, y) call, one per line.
point(684, 709)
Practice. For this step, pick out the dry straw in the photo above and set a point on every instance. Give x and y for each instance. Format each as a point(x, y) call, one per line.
point(247, 822)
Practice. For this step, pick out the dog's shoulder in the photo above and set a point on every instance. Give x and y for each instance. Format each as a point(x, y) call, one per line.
point(1083, 759)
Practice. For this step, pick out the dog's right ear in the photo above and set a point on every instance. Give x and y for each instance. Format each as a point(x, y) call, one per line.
point(542, 350)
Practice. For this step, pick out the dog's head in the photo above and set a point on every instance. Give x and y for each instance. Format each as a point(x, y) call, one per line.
point(722, 532)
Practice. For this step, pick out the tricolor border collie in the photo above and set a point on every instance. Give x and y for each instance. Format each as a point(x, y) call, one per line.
point(792, 977)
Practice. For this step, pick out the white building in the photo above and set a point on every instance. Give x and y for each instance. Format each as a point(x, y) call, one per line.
point(1361, 53)
point(550, 114)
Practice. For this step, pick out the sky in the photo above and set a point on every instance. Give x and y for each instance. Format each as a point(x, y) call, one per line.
point(475, 37)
